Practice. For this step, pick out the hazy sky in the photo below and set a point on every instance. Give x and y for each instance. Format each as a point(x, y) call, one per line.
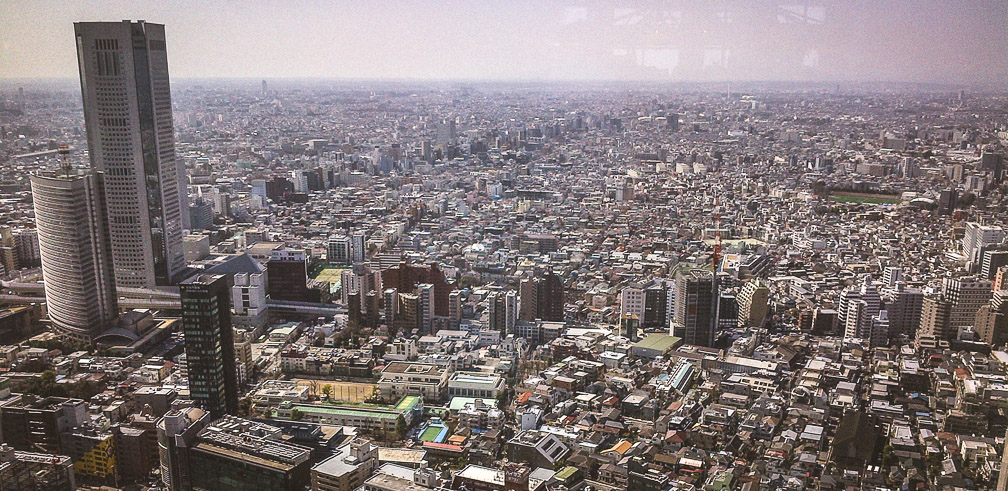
point(960, 42)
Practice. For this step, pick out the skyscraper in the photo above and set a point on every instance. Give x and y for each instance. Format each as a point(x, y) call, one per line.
point(127, 114)
point(209, 343)
point(76, 255)
point(695, 307)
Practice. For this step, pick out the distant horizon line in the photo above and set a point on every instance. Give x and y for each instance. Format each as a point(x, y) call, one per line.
point(987, 86)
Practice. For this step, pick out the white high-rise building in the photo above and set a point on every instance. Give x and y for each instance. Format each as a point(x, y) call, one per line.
point(128, 116)
point(858, 323)
point(426, 293)
point(358, 247)
point(510, 311)
point(891, 275)
point(977, 236)
point(632, 301)
point(73, 236)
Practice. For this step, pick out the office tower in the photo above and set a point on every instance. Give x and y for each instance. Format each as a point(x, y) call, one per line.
point(527, 310)
point(222, 201)
point(891, 275)
point(201, 215)
point(300, 180)
point(904, 307)
point(510, 311)
point(338, 250)
point(73, 235)
point(446, 133)
point(550, 297)
point(405, 278)
point(991, 261)
point(727, 310)
point(264, 89)
point(1001, 279)
point(287, 277)
point(358, 247)
point(209, 343)
point(649, 303)
point(259, 189)
point(753, 303)
point(177, 432)
point(279, 189)
point(541, 297)
point(695, 307)
point(947, 201)
point(497, 311)
point(127, 114)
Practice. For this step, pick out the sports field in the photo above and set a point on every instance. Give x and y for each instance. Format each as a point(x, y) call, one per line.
point(330, 275)
point(874, 199)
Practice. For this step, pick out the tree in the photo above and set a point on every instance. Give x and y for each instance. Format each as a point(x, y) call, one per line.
point(296, 414)
point(400, 426)
point(327, 391)
point(245, 407)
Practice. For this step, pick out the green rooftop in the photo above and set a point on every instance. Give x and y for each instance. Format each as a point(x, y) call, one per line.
point(566, 473)
point(659, 342)
point(404, 405)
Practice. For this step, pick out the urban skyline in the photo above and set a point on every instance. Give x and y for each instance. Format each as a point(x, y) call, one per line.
point(430, 285)
point(924, 42)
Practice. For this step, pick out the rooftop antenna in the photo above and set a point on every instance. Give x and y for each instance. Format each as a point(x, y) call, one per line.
point(64, 153)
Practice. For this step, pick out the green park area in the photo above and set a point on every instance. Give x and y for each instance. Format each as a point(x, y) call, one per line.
point(873, 199)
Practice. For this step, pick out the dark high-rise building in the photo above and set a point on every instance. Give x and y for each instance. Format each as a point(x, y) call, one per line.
point(991, 261)
point(905, 311)
point(209, 343)
point(32, 470)
point(234, 453)
point(279, 189)
point(655, 306)
point(947, 201)
point(36, 424)
point(541, 297)
point(128, 116)
point(201, 214)
point(287, 277)
point(695, 307)
point(497, 311)
point(406, 277)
